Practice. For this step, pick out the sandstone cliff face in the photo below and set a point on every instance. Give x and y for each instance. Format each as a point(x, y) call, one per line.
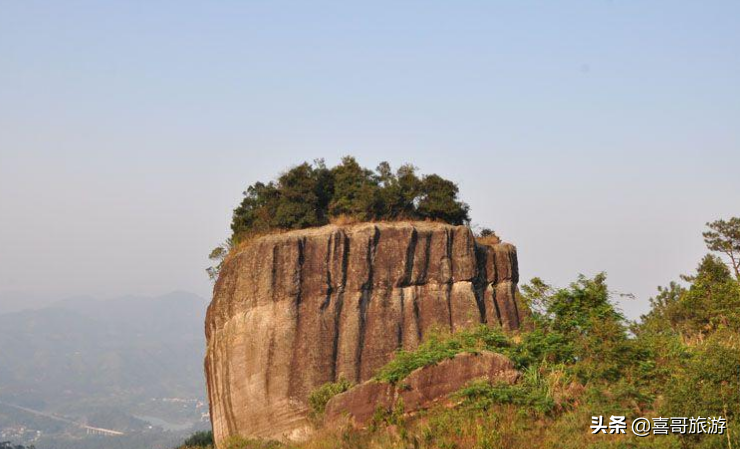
point(294, 311)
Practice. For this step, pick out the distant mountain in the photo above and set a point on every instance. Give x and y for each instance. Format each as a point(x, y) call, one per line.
point(89, 360)
point(15, 301)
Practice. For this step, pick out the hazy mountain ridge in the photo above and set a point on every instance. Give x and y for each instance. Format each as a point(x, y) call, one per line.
point(86, 359)
point(18, 301)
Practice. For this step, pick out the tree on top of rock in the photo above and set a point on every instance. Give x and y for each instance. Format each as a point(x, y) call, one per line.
point(439, 201)
point(310, 195)
point(355, 191)
point(304, 193)
point(257, 209)
point(399, 191)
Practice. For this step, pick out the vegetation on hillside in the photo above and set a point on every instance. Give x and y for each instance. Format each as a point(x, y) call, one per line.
point(309, 195)
point(581, 358)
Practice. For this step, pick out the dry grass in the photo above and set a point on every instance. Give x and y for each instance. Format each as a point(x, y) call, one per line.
point(345, 220)
point(488, 240)
point(245, 240)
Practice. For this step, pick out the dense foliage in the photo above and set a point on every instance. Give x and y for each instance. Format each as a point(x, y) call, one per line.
point(579, 358)
point(312, 194)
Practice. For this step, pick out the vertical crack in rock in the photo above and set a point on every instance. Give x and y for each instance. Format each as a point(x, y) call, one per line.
point(448, 296)
point(492, 285)
point(340, 302)
point(330, 242)
point(494, 300)
point(423, 273)
point(517, 316)
point(409, 267)
point(400, 327)
point(365, 296)
point(450, 234)
point(480, 280)
point(403, 282)
point(298, 286)
point(448, 287)
point(417, 316)
point(274, 273)
point(298, 277)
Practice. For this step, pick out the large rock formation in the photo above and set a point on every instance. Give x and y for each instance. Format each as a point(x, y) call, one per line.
point(293, 311)
point(420, 389)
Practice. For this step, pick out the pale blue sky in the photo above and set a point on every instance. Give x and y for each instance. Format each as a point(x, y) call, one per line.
point(595, 135)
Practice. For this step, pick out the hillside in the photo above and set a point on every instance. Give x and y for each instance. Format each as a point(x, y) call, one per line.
point(121, 364)
point(565, 379)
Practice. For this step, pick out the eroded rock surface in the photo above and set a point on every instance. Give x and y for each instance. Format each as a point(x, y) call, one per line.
point(421, 389)
point(293, 311)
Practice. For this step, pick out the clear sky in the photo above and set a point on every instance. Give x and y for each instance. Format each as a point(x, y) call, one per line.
point(595, 135)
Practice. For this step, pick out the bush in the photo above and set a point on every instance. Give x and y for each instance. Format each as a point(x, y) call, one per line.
point(440, 346)
point(318, 398)
point(532, 393)
point(202, 439)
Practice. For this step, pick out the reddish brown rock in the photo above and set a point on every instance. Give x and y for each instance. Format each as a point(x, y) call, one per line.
point(431, 383)
point(421, 389)
point(361, 402)
point(293, 311)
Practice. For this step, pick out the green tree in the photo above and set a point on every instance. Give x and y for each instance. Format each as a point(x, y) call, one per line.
point(711, 302)
point(663, 316)
point(399, 191)
point(217, 256)
point(704, 381)
point(585, 321)
point(298, 199)
point(439, 201)
point(257, 210)
point(724, 236)
point(356, 191)
point(304, 192)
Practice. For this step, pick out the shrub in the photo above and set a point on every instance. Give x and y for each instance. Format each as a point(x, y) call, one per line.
point(202, 439)
point(440, 346)
point(532, 392)
point(318, 398)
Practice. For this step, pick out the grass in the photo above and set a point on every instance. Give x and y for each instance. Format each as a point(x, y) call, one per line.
point(488, 240)
point(439, 346)
point(533, 394)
